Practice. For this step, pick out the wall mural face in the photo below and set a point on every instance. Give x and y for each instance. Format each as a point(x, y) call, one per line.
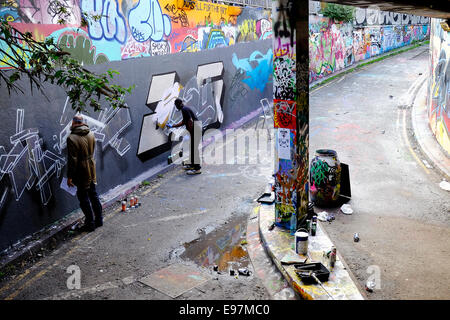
point(439, 89)
point(137, 28)
point(334, 46)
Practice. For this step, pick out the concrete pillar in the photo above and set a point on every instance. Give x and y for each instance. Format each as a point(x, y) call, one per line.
point(291, 108)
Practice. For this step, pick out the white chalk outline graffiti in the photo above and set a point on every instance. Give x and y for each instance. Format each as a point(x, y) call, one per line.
point(27, 165)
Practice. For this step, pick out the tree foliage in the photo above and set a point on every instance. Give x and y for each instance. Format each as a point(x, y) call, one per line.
point(338, 12)
point(43, 61)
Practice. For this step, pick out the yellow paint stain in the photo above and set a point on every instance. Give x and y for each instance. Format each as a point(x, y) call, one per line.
point(235, 254)
point(234, 11)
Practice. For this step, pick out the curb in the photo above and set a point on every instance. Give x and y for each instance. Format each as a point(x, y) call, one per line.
point(423, 135)
point(340, 285)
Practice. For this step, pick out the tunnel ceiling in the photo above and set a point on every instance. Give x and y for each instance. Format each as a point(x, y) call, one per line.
point(428, 8)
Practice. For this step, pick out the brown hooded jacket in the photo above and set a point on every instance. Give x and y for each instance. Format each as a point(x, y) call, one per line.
point(81, 163)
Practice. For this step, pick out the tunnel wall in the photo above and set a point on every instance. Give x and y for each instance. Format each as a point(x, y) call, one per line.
point(217, 58)
point(337, 45)
point(439, 85)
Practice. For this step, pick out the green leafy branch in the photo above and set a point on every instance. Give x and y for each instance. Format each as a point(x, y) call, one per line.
point(44, 61)
point(338, 12)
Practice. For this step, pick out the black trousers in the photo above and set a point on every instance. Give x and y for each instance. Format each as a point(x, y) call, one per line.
point(196, 139)
point(90, 205)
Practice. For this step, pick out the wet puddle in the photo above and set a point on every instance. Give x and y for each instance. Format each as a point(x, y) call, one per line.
point(223, 247)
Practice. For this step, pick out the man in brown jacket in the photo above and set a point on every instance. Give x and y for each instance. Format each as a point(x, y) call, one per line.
point(81, 172)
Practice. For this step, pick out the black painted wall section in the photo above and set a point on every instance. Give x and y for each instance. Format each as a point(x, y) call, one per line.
point(20, 219)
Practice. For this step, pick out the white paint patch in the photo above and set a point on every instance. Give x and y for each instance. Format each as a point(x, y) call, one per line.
point(165, 219)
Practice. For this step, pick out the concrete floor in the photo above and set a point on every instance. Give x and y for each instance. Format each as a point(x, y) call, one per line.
point(197, 220)
point(400, 213)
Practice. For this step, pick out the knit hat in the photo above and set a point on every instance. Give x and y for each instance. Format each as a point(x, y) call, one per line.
point(77, 121)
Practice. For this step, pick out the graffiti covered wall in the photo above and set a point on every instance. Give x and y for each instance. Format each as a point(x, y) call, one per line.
point(334, 46)
point(291, 109)
point(137, 28)
point(223, 85)
point(439, 85)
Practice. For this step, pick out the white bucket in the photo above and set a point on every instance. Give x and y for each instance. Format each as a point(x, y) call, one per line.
point(301, 241)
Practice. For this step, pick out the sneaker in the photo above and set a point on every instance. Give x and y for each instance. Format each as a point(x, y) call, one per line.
point(98, 224)
point(187, 167)
point(86, 228)
point(192, 172)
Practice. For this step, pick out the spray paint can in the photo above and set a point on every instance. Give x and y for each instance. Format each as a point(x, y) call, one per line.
point(132, 202)
point(124, 206)
point(314, 225)
point(333, 257)
point(136, 201)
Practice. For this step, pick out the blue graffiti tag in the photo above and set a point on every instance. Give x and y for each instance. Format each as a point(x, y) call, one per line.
point(216, 38)
point(110, 26)
point(257, 77)
point(146, 21)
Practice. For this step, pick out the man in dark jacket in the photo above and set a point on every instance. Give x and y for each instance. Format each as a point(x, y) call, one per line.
point(81, 172)
point(194, 127)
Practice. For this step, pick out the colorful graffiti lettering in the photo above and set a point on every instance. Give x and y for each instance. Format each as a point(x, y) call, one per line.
point(111, 25)
point(133, 49)
point(147, 21)
point(439, 91)
point(334, 46)
point(80, 47)
point(258, 76)
point(124, 29)
point(285, 114)
point(177, 15)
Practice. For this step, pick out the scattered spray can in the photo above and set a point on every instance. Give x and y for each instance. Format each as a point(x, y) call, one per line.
point(136, 201)
point(314, 225)
point(333, 257)
point(124, 206)
point(132, 202)
point(356, 237)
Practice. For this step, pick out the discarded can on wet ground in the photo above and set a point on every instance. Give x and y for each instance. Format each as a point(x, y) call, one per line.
point(244, 272)
point(124, 206)
point(370, 285)
point(333, 257)
point(136, 201)
point(356, 237)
